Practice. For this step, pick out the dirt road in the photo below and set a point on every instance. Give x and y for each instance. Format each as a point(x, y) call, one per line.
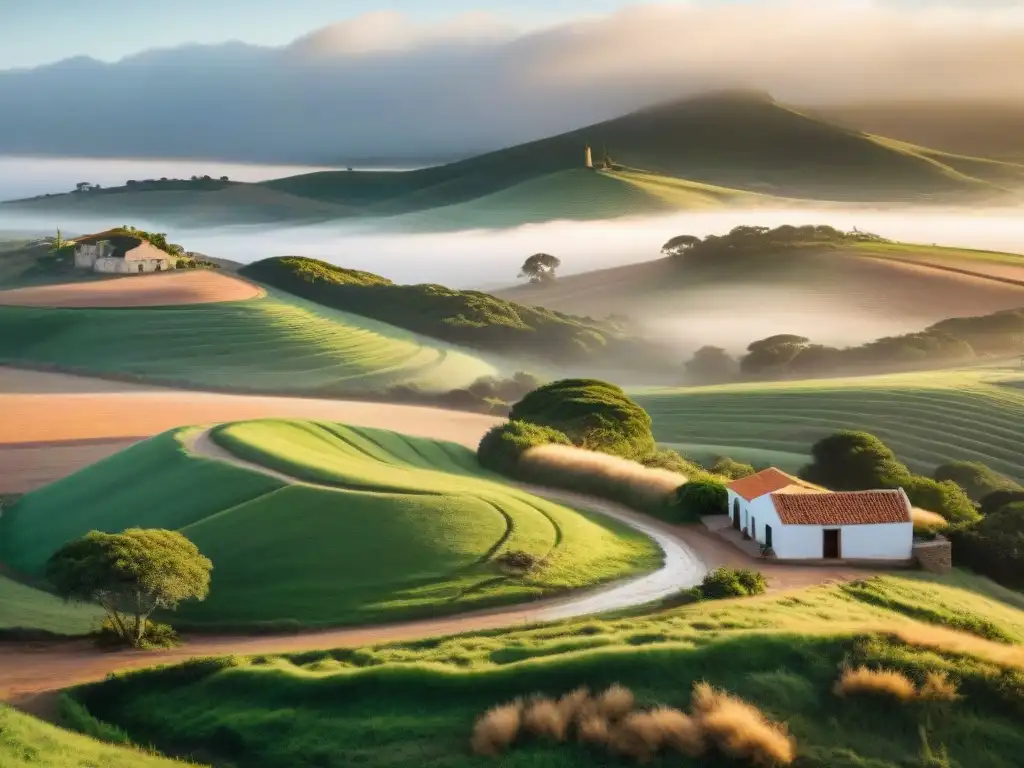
point(199, 286)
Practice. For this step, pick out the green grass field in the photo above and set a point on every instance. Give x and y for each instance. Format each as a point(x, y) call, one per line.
point(927, 418)
point(26, 742)
point(781, 652)
point(24, 607)
point(408, 527)
point(266, 345)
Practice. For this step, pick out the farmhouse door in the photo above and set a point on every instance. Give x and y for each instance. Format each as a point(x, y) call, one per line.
point(736, 514)
point(768, 537)
point(832, 545)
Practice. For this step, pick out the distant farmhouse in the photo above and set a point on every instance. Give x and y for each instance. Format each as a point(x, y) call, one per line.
point(799, 521)
point(119, 253)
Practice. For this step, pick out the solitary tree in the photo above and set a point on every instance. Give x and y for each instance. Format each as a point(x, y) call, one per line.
point(130, 575)
point(680, 245)
point(540, 268)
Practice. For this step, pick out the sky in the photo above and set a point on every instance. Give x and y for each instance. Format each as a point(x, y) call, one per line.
point(35, 32)
point(40, 31)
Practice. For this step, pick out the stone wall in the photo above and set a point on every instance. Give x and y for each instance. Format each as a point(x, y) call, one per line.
point(934, 556)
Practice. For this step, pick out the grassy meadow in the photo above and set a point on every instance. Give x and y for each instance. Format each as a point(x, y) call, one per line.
point(25, 607)
point(388, 527)
point(927, 418)
point(783, 653)
point(260, 345)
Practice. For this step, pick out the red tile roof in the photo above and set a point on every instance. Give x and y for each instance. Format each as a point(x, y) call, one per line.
point(842, 508)
point(766, 481)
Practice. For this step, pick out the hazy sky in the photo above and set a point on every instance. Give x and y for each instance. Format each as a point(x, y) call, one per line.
point(36, 32)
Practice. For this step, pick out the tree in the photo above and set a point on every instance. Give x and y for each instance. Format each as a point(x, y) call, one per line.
point(853, 461)
point(997, 500)
point(130, 575)
point(975, 478)
point(680, 245)
point(712, 365)
point(774, 352)
point(540, 268)
point(83, 186)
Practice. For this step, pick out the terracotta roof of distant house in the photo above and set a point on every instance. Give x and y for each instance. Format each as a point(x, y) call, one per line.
point(98, 236)
point(843, 508)
point(766, 481)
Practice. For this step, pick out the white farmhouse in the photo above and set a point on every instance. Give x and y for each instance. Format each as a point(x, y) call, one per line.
point(799, 521)
point(115, 252)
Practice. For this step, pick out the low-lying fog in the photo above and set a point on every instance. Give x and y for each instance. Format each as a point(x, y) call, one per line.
point(490, 259)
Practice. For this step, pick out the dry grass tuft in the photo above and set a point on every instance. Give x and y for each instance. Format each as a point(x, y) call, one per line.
point(879, 682)
point(938, 687)
point(680, 732)
point(638, 735)
point(593, 729)
point(615, 703)
point(950, 641)
point(741, 730)
point(628, 482)
point(543, 718)
point(496, 729)
point(574, 704)
point(927, 522)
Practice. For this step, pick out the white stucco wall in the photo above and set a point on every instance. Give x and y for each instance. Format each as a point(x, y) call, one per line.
point(112, 265)
point(890, 541)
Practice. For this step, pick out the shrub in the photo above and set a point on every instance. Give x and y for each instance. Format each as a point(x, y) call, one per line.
point(593, 729)
point(997, 500)
point(503, 445)
point(592, 414)
point(741, 730)
point(702, 497)
point(726, 582)
point(734, 470)
point(517, 560)
point(993, 546)
point(497, 729)
point(638, 736)
point(680, 732)
point(947, 498)
point(876, 682)
point(853, 461)
point(976, 479)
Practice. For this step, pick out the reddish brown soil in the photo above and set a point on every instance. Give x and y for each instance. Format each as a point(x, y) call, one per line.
point(199, 286)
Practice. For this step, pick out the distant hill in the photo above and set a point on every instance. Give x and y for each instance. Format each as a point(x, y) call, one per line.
point(985, 129)
point(735, 147)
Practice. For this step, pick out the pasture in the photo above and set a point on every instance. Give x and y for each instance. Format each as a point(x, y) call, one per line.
point(261, 345)
point(783, 653)
point(928, 418)
point(388, 526)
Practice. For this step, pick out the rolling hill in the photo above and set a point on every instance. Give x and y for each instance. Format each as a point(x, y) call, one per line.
point(842, 295)
point(974, 414)
point(270, 344)
point(783, 653)
point(315, 523)
point(733, 147)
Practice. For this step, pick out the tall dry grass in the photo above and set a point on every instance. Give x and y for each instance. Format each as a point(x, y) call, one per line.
point(627, 482)
point(739, 729)
point(543, 718)
point(878, 682)
point(938, 687)
point(950, 641)
point(927, 522)
point(615, 703)
point(497, 729)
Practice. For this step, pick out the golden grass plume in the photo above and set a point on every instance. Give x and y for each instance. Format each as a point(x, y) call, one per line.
point(741, 730)
point(938, 687)
point(615, 702)
point(928, 522)
point(542, 717)
point(878, 682)
point(497, 729)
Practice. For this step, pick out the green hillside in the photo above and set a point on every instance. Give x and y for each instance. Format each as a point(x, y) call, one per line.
point(926, 418)
point(393, 526)
point(783, 653)
point(469, 318)
point(26, 742)
point(25, 607)
point(260, 345)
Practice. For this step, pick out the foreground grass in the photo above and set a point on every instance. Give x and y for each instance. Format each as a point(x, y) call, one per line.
point(782, 653)
point(927, 418)
point(397, 528)
point(260, 345)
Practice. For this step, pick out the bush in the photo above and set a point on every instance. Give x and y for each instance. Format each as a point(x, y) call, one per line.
point(997, 500)
point(740, 730)
point(731, 468)
point(503, 445)
point(517, 560)
point(726, 582)
point(946, 498)
point(497, 729)
point(592, 414)
point(154, 636)
point(976, 479)
point(702, 497)
point(993, 546)
point(853, 461)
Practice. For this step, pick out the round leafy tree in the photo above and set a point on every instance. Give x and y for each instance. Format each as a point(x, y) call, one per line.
point(702, 497)
point(854, 461)
point(130, 575)
point(502, 446)
point(592, 414)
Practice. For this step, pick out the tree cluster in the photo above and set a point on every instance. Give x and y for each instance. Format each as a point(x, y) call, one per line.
point(750, 241)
